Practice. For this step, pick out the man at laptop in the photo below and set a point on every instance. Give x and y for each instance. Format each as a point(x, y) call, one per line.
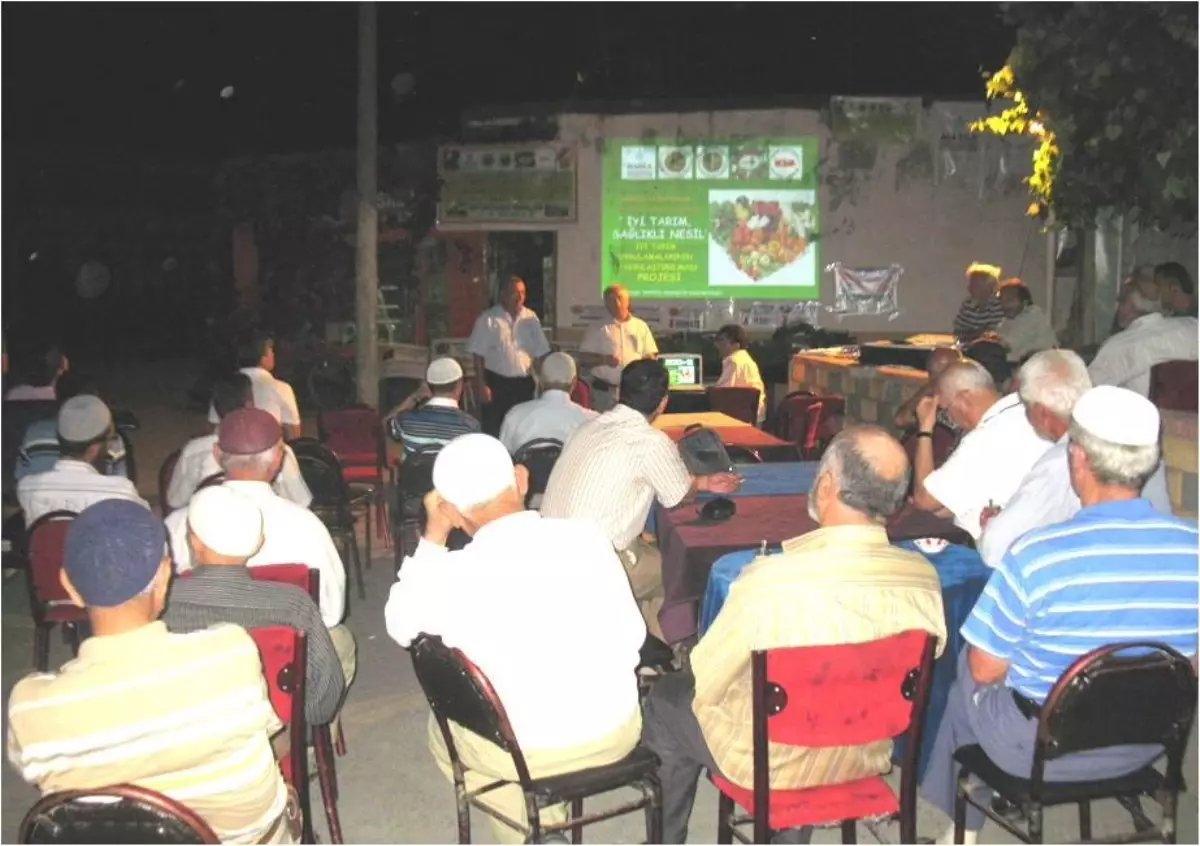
point(738, 369)
point(610, 345)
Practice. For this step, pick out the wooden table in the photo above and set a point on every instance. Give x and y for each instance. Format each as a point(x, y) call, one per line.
point(712, 419)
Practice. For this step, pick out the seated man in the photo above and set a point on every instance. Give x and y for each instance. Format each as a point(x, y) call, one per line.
point(438, 420)
point(996, 452)
point(738, 368)
point(39, 447)
point(197, 461)
point(38, 375)
point(1025, 328)
point(939, 359)
point(613, 469)
point(842, 583)
point(1147, 338)
point(980, 312)
point(1178, 290)
point(186, 715)
point(249, 450)
point(1117, 570)
point(553, 414)
point(256, 358)
point(506, 602)
point(77, 480)
point(1051, 383)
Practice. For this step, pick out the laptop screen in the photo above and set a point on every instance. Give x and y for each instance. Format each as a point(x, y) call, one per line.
point(683, 368)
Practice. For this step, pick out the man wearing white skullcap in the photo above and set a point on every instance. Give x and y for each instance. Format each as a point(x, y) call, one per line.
point(1117, 571)
point(552, 415)
point(529, 593)
point(430, 418)
point(224, 529)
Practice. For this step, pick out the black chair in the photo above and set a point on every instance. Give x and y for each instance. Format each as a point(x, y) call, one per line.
point(539, 457)
point(124, 813)
point(459, 692)
point(331, 499)
point(415, 480)
point(1102, 699)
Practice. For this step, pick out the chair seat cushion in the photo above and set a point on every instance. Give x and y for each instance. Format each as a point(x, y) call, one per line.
point(361, 472)
point(640, 763)
point(1016, 789)
point(830, 803)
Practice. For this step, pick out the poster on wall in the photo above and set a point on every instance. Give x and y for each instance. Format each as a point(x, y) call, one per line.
point(866, 290)
point(711, 219)
point(513, 183)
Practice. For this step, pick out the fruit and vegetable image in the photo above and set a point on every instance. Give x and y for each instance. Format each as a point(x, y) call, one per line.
point(762, 235)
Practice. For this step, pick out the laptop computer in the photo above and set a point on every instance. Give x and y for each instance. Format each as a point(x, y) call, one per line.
point(686, 371)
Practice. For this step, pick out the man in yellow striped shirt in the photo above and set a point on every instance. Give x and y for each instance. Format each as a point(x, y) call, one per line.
point(186, 715)
point(843, 583)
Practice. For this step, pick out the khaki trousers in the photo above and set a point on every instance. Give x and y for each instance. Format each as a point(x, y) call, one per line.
point(643, 566)
point(346, 649)
point(485, 762)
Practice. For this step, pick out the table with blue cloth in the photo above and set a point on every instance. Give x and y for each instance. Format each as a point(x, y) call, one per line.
point(963, 575)
point(777, 479)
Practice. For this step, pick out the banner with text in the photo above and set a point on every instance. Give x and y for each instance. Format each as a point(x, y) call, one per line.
point(712, 219)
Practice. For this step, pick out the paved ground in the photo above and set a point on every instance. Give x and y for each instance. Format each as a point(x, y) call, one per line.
point(391, 791)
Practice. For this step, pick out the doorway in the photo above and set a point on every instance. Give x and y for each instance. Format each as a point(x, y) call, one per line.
point(530, 255)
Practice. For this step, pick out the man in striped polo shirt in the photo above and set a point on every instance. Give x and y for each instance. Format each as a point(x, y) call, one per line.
point(439, 420)
point(980, 312)
point(1117, 571)
point(186, 715)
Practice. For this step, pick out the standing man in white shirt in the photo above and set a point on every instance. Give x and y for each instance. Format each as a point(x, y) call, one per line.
point(608, 346)
point(256, 358)
point(987, 467)
point(77, 480)
point(1146, 338)
point(738, 368)
point(552, 415)
point(508, 345)
point(527, 594)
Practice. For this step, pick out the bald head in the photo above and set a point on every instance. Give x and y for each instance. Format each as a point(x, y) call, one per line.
point(941, 358)
point(863, 478)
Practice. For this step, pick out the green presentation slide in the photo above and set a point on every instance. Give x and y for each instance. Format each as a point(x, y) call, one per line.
point(711, 219)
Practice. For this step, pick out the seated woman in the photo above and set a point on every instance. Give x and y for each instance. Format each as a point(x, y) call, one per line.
point(1025, 328)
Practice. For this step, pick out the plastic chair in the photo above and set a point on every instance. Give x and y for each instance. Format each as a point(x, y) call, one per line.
point(1102, 699)
point(843, 695)
point(165, 471)
point(123, 813)
point(824, 420)
point(356, 437)
point(49, 603)
point(331, 500)
point(539, 457)
point(282, 649)
point(211, 480)
point(581, 394)
point(740, 403)
point(414, 481)
point(459, 692)
point(1173, 385)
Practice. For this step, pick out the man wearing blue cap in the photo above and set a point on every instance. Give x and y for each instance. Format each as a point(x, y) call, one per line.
point(186, 715)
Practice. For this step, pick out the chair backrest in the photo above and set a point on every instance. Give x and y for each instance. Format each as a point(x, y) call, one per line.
point(791, 416)
point(581, 394)
point(1109, 697)
point(321, 472)
point(944, 441)
point(45, 548)
point(740, 403)
point(416, 472)
point(123, 813)
point(165, 471)
point(283, 659)
point(539, 456)
point(354, 434)
point(459, 692)
point(211, 480)
point(1173, 385)
point(300, 575)
point(824, 420)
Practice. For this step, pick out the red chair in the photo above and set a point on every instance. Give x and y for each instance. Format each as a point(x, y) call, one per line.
point(165, 471)
point(790, 420)
point(581, 394)
point(739, 403)
point(945, 440)
point(356, 437)
point(48, 600)
point(1173, 385)
point(843, 695)
point(824, 420)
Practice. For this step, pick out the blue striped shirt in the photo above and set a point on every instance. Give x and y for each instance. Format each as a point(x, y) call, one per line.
point(431, 425)
point(1116, 571)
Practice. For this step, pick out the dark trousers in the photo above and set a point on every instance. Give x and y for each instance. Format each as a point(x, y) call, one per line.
point(670, 729)
point(506, 392)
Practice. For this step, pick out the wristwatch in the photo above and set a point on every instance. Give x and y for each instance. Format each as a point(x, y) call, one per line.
point(925, 435)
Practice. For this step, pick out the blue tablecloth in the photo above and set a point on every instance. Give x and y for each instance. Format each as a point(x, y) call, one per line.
point(963, 575)
point(780, 478)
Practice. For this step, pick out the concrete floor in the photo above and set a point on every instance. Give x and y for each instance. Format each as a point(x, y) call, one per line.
point(390, 790)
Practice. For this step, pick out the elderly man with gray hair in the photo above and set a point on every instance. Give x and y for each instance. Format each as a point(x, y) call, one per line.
point(1118, 570)
point(1146, 338)
point(1051, 383)
point(616, 341)
point(552, 415)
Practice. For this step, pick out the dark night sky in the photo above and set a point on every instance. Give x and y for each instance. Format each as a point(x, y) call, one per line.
point(147, 77)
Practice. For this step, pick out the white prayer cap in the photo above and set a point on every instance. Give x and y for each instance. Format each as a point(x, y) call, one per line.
point(558, 369)
point(443, 371)
point(472, 470)
point(1118, 415)
point(229, 523)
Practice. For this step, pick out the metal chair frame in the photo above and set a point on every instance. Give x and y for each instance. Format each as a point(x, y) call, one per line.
point(40, 606)
point(152, 804)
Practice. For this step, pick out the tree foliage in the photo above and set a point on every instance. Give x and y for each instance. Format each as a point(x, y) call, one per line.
point(1109, 92)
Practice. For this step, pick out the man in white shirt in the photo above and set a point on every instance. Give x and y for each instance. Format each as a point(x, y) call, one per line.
point(508, 343)
point(1147, 338)
point(608, 346)
point(85, 426)
point(256, 358)
point(986, 468)
point(529, 593)
point(40, 374)
point(613, 469)
point(198, 461)
point(553, 414)
point(250, 450)
point(738, 368)
point(1051, 383)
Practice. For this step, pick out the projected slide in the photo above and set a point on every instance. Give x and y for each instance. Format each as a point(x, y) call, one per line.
point(712, 219)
